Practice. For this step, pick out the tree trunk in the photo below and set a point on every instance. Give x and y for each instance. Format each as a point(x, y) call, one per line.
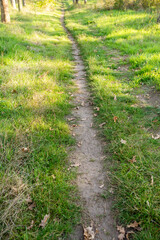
point(76, 1)
point(85, 1)
point(13, 2)
point(24, 3)
point(19, 5)
point(5, 17)
point(158, 19)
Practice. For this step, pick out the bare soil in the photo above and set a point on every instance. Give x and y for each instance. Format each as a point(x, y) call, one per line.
point(88, 157)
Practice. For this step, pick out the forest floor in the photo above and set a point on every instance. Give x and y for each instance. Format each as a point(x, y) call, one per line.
point(80, 114)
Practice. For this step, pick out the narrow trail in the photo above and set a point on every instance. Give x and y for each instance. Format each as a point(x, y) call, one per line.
point(88, 156)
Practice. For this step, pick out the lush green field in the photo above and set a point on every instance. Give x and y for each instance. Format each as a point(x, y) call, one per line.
point(121, 50)
point(35, 77)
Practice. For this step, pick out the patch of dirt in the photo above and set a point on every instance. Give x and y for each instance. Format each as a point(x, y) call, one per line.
point(149, 96)
point(88, 157)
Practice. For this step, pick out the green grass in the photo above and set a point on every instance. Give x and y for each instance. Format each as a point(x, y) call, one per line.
point(35, 79)
point(121, 52)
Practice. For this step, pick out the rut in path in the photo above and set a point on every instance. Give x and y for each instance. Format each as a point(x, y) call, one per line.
point(89, 156)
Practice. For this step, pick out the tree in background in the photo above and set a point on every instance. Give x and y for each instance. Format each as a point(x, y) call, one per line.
point(24, 3)
point(19, 5)
point(13, 2)
point(5, 17)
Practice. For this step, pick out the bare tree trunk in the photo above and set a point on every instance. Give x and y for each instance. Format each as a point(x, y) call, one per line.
point(24, 3)
point(76, 1)
point(19, 5)
point(5, 17)
point(85, 1)
point(13, 2)
point(158, 19)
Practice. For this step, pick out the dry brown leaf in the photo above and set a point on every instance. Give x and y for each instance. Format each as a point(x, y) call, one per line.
point(25, 149)
point(95, 115)
point(44, 221)
point(75, 165)
point(133, 225)
point(115, 119)
point(157, 136)
point(53, 176)
point(101, 186)
point(121, 236)
point(102, 124)
point(33, 205)
point(97, 108)
point(82, 104)
point(127, 235)
point(14, 91)
point(89, 233)
point(70, 119)
point(74, 125)
point(31, 226)
point(123, 141)
point(155, 120)
point(121, 229)
point(29, 200)
point(133, 160)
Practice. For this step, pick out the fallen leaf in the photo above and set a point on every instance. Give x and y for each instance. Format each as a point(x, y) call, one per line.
point(89, 233)
point(102, 124)
point(101, 186)
point(121, 229)
point(127, 235)
point(75, 165)
point(97, 108)
point(29, 200)
point(82, 104)
point(115, 119)
point(44, 221)
point(33, 205)
point(121, 236)
point(95, 115)
point(53, 176)
point(133, 225)
point(157, 136)
point(74, 125)
point(79, 144)
point(14, 91)
point(25, 149)
point(133, 160)
point(123, 141)
point(115, 98)
point(31, 226)
point(70, 119)
point(155, 120)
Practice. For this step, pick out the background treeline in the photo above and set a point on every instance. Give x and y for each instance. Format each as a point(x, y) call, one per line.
point(132, 4)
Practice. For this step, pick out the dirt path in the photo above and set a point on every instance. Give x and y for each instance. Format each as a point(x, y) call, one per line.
point(88, 157)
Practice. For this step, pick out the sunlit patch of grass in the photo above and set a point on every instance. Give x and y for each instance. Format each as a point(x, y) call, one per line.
point(36, 78)
point(121, 51)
